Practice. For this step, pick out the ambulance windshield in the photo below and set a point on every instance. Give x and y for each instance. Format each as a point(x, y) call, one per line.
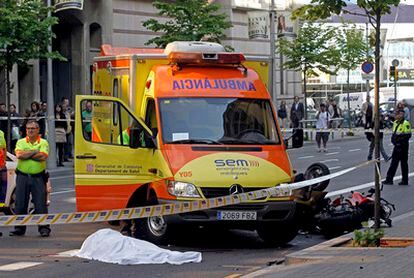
point(217, 121)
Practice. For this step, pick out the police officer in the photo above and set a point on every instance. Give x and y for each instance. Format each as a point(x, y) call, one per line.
point(32, 153)
point(400, 139)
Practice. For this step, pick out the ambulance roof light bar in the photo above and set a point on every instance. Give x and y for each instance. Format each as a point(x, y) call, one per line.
point(184, 52)
point(189, 46)
point(206, 58)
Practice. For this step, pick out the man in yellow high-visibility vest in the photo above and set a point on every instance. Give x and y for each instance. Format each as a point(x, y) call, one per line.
point(32, 153)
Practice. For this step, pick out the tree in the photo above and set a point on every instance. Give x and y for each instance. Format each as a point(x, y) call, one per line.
point(25, 32)
point(373, 10)
point(354, 51)
point(188, 20)
point(313, 49)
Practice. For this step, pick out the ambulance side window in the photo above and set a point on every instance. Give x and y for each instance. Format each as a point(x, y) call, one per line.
point(108, 122)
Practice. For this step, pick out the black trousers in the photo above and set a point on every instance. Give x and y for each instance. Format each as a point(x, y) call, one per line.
point(26, 185)
point(60, 148)
point(399, 154)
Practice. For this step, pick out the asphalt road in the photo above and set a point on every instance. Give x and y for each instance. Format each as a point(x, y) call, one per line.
point(225, 253)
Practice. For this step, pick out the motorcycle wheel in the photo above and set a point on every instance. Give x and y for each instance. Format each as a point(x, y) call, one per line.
point(317, 170)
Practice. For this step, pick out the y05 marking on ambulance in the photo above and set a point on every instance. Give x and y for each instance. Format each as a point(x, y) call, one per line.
point(186, 174)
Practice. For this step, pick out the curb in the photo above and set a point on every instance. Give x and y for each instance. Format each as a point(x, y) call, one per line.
point(304, 257)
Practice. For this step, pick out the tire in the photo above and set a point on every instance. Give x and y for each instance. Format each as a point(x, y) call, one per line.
point(10, 209)
point(333, 225)
point(113, 222)
point(152, 229)
point(278, 235)
point(317, 170)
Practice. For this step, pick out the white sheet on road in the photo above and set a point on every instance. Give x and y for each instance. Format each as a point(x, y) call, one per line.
point(110, 246)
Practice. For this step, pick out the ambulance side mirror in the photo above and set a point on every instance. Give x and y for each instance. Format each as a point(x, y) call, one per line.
point(140, 139)
point(134, 140)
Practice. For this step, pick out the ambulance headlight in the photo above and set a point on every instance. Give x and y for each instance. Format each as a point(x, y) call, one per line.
point(183, 189)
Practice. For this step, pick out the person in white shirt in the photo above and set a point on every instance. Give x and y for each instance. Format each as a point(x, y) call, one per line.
point(322, 122)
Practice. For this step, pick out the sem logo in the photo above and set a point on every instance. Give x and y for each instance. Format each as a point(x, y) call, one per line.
point(236, 163)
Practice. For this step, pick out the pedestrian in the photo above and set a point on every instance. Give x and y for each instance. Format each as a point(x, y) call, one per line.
point(367, 112)
point(26, 117)
point(322, 124)
point(282, 113)
point(15, 126)
point(406, 111)
point(3, 118)
point(69, 114)
point(371, 138)
point(40, 116)
point(87, 118)
point(296, 113)
point(60, 134)
point(401, 134)
point(3, 184)
point(3, 155)
point(335, 113)
point(32, 153)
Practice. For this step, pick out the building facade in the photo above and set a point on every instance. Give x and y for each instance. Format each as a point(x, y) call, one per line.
point(80, 33)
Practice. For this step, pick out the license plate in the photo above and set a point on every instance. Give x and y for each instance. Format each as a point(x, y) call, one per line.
point(236, 215)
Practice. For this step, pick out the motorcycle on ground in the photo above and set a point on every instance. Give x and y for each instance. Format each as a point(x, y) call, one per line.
point(331, 218)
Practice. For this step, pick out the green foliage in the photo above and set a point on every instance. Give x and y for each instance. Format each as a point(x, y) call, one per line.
point(24, 31)
point(368, 237)
point(352, 46)
point(188, 20)
point(313, 48)
point(321, 9)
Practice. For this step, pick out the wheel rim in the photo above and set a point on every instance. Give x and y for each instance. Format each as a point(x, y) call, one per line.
point(315, 172)
point(12, 205)
point(157, 225)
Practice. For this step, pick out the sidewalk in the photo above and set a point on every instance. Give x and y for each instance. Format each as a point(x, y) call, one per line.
point(325, 260)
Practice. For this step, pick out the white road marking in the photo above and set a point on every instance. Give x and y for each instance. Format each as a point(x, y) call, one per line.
point(61, 192)
point(330, 160)
point(71, 200)
point(359, 187)
point(335, 167)
point(66, 254)
point(354, 150)
point(332, 153)
point(61, 177)
point(305, 157)
point(18, 266)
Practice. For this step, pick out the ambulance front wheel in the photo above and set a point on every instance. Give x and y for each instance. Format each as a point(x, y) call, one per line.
point(153, 229)
point(278, 234)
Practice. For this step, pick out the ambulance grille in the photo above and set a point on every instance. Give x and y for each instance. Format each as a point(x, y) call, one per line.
point(213, 192)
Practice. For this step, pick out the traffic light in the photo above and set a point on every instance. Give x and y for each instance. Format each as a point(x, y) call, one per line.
point(393, 76)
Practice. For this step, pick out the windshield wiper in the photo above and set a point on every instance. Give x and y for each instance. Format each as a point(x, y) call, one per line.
point(246, 141)
point(196, 141)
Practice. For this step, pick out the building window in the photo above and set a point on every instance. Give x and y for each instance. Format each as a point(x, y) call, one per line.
point(95, 36)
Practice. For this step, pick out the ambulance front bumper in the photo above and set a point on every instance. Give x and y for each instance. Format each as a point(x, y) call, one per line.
point(265, 212)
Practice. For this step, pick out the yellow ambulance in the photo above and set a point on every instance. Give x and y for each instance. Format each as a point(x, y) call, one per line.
point(188, 122)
